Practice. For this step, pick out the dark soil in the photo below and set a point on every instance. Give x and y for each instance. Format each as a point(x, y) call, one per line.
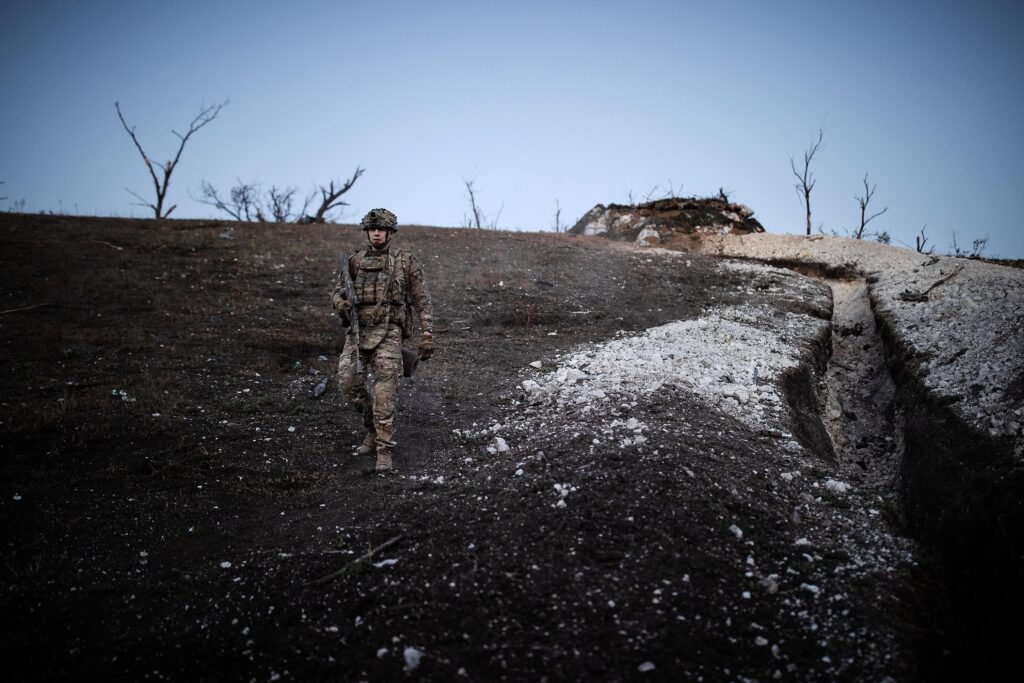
point(122, 510)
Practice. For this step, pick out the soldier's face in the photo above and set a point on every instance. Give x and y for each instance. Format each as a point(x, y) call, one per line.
point(377, 236)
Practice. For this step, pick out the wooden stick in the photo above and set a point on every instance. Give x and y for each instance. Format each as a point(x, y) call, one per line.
point(956, 271)
point(109, 244)
point(26, 308)
point(367, 556)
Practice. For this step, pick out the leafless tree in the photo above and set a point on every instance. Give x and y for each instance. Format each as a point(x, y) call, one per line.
point(474, 220)
point(246, 203)
point(559, 226)
point(280, 201)
point(242, 203)
point(673, 192)
point(977, 247)
point(330, 197)
point(478, 219)
point(205, 115)
point(805, 177)
point(920, 241)
point(863, 202)
point(650, 194)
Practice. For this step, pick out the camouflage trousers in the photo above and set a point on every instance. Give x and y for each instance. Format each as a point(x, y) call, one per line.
point(382, 366)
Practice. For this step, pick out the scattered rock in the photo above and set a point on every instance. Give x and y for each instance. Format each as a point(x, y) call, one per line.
point(412, 657)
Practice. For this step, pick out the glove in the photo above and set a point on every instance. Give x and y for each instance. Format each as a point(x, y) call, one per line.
point(426, 347)
point(342, 306)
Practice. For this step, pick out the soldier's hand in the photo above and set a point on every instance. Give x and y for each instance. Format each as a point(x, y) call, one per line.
point(343, 306)
point(426, 347)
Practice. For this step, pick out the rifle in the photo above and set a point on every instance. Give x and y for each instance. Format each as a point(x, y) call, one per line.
point(353, 323)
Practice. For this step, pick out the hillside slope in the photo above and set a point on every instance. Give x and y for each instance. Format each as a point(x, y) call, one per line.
point(661, 498)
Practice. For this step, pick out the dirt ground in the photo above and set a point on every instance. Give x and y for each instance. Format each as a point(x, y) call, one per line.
point(172, 490)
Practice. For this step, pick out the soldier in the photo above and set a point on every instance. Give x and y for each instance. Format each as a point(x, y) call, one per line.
point(385, 282)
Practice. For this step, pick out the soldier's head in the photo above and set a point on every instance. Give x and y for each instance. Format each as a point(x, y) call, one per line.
point(379, 225)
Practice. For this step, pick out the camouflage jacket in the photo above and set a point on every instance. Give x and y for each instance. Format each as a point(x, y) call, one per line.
point(388, 283)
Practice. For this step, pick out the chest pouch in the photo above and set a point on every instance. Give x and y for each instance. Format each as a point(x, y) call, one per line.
point(371, 279)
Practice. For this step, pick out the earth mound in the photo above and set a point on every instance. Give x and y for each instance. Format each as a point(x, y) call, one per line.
point(654, 222)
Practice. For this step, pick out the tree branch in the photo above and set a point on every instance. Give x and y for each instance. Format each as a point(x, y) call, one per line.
point(329, 195)
point(205, 115)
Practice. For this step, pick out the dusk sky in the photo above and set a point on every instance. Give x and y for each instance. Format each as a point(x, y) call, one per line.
point(582, 103)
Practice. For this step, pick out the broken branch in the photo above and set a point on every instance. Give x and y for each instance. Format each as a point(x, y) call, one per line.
point(25, 308)
point(365, 557)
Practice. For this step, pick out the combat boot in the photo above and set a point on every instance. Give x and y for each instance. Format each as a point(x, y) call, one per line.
point(368, 444)
point(384, 460)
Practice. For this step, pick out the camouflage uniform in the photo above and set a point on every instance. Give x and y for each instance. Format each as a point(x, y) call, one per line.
point(386, 282)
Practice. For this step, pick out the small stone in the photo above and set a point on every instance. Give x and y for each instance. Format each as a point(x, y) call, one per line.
point(225, 565)
point(836, 486)
point(531, 387)
point(646, 667)
point(736, 531)
point(536, 364)
point(412, 657)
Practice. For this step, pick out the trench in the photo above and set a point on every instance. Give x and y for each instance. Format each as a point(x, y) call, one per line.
point(957, 492)
point(859, 412)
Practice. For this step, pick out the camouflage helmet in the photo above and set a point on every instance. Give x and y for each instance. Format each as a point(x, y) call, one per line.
point(380, 218)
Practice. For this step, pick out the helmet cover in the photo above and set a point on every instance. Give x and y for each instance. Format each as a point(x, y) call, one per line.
point(380, 218)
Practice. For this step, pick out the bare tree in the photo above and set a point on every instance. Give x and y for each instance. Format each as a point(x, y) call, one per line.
point(205, 115)
point(474, 220)
point(920, 241)
point(242, 203)
point(673, 192)
point(977, 247)
point(330, 197)
point(280, 201)
point(805, 177)
point(559, 226)
point(863, 202)
point(478, 219)
point(245, 202)
point(650, 194)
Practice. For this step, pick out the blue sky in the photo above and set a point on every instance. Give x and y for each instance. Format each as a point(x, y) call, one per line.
point(537, 101)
